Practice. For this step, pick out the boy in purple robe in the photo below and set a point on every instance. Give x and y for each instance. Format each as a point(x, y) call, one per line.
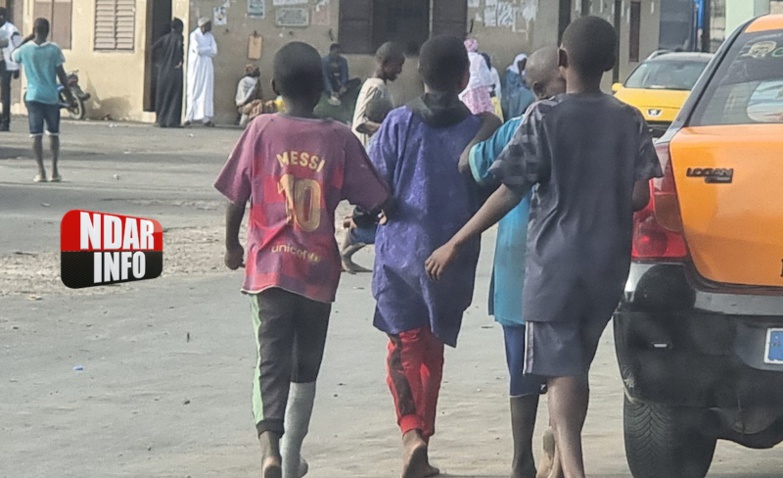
point(417, 151)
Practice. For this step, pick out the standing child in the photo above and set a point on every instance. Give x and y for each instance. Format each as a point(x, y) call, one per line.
point(417, 151)
point(294, 169)
point(43, 61)
point(389, 60)
point(591, 157)
point(508, 274)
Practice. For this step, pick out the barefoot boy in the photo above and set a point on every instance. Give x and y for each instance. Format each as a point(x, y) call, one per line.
point(591, 157)
point(417, 151)
point(294, 169)
point(508, 274)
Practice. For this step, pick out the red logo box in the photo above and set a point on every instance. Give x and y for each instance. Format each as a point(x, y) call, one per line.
point(99, 248)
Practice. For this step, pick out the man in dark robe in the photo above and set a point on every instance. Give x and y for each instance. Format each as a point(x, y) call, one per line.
point(168, 52)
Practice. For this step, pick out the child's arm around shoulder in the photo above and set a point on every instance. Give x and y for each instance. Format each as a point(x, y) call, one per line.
point(522, 164)
point(489, 124)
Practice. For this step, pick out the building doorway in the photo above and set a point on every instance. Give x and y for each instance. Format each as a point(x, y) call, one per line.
point(158, 24)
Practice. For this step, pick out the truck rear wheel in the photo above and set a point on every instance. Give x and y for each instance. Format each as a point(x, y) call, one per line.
point(665, 441)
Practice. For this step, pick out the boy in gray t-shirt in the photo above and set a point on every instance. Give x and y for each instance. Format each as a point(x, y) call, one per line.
point(592, 158)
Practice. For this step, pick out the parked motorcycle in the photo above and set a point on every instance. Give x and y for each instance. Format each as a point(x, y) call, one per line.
point(75, 109)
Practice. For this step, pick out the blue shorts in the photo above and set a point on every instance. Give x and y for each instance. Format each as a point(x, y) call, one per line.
point(521, 385)
point(39, 114)
point(363, 235)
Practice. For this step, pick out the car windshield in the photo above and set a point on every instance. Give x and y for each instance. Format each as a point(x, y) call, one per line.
point(748, 85)
point(666, 74)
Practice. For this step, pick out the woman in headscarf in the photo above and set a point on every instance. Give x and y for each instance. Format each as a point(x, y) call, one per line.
point(477, 94)
point(516, 95)
point(168, 53)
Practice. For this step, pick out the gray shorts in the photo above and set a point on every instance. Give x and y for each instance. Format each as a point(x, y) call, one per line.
point(563, 349)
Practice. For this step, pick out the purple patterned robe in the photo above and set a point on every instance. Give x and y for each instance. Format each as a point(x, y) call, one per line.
point(416, 151)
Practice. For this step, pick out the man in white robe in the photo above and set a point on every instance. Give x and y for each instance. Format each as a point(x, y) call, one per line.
point(201, 74)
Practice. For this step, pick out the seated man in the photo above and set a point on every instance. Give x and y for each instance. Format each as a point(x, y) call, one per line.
point(336, 82)
point(249, 98)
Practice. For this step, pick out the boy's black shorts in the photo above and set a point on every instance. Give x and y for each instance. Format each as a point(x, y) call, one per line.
point(563, 349)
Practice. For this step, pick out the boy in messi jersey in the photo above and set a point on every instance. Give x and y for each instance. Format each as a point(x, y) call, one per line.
point(294, 169)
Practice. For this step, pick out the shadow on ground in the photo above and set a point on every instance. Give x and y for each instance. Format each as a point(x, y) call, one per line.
point(13, 153)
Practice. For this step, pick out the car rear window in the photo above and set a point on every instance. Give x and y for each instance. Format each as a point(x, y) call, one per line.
point(747, 87)
point(666, 75)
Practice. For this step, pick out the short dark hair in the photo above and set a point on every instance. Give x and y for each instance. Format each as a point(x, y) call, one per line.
point(443, 62)
point(591, 44)
point(41, 26)
point(3, 12)
point(377, 109)
point(297, 70)
point(334, 46)
point(389, 51)
point(177, 25)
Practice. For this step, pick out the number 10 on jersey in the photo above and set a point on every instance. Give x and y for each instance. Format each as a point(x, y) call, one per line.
point(302, 201)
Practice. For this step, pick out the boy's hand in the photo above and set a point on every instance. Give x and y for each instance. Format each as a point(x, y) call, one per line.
point(440, 259)
point(235, 257)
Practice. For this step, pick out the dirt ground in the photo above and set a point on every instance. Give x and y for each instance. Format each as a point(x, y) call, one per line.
point(152, 379)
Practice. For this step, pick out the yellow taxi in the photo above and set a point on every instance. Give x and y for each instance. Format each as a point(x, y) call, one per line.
point(699, 331)
point(659, 86)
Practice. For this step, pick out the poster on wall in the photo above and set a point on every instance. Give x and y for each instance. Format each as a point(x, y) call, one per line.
point(490, 17)
point(321, 14)
point(219, 16)
point(256, 8)
point(255, 47)
point(507, 15)
point(283, 3)
point(292, 17)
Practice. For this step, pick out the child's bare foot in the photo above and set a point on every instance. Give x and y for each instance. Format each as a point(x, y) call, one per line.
point(414, 455)
point(304, 467)
point(271, 466)
point(346, 255)
point(351, 267)
point(430, 470)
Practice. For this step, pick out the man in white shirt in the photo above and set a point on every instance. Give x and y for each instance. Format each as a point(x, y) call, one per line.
point(201, 74)
point(10, 39)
